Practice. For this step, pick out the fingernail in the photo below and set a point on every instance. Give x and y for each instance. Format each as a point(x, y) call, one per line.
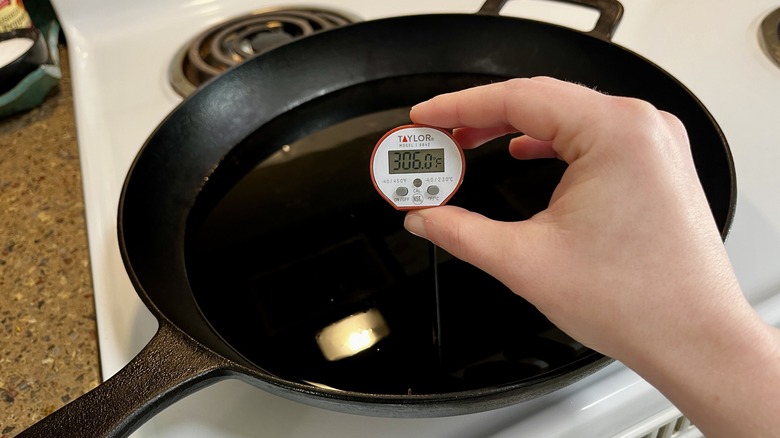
point(417, 105)
point(415, 224)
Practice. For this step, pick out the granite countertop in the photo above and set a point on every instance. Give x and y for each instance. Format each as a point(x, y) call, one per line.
point(47, 316)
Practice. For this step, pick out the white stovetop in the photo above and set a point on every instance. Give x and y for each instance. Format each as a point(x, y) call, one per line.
point(119, 54)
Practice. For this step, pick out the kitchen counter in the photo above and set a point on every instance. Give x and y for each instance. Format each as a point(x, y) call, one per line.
point(48, 334)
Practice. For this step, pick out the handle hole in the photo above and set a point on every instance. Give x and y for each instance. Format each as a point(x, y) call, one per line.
point(569, 15)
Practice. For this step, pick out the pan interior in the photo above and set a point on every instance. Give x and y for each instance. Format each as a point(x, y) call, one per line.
point(308, 273)
point(279, 252)
point(305, 271)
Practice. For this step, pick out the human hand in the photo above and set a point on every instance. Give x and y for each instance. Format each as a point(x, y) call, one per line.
point(627, 258)
point(626, 228)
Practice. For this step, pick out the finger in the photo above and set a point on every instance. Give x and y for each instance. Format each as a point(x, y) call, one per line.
point(529, 148)
point(522, 148)
point(469, 138)
point(544, 108)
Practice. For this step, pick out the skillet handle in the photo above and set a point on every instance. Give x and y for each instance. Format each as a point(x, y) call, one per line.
point(610, 14)
point(170, 367)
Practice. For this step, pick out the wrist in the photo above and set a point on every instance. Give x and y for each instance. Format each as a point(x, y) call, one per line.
point(721, 370)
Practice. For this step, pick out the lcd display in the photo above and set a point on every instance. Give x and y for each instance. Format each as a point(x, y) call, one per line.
point(415, 161)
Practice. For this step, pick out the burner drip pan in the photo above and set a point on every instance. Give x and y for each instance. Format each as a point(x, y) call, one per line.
point(232, 42)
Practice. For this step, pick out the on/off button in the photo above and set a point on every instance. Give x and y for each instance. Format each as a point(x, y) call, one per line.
point(402, 191)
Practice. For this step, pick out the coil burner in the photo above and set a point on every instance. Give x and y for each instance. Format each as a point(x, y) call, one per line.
point(231, 42)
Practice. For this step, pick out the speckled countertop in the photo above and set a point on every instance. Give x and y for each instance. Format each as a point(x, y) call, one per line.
point(48, 342)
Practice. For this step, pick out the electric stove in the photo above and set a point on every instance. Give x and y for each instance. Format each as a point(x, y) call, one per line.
point(130, 61)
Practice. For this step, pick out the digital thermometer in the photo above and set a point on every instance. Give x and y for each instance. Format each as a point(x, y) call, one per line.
point(417, 166)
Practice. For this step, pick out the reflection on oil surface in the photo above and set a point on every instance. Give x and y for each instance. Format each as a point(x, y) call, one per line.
point(305, 270)
point(350, 336)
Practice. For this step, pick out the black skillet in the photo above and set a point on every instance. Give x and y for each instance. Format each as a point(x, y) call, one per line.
point(232, 257)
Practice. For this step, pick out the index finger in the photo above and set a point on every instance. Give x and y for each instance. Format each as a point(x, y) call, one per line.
point(544, 108)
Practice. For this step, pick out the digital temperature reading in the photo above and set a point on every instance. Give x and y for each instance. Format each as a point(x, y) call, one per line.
point(412, 161)
point(417, 166)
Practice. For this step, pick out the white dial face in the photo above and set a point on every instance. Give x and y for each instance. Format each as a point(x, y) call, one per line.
point(417, 166)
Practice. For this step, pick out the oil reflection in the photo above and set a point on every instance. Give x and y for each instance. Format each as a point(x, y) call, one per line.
point(353, 334)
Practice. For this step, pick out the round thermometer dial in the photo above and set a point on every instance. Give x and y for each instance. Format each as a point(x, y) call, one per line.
point(417, 166)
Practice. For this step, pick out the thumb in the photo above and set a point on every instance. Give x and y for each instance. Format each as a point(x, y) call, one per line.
point(487, 244)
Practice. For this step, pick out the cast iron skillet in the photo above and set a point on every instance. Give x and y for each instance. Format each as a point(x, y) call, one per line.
point(246, 114)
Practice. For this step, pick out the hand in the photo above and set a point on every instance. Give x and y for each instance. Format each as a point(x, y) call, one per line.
point(627, 258)
point(626, 229)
